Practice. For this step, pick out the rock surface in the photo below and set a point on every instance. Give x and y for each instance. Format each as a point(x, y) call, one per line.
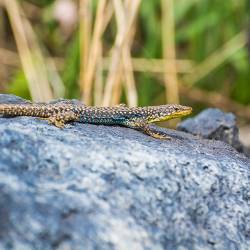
point(214, 124)
point(103, 187)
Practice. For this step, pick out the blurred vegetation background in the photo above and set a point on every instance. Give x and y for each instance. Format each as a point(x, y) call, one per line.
point(138, 52)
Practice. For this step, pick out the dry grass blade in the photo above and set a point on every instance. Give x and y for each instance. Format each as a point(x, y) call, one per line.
point(108, 15)
point(168, 42)
point(155, 65)
point(54, 78)
point(99, 81)
point(45, 68)
point(131, 91)
point(94, 52)
point(3, 70)
point(85, 21)
point(216, 59)
point(98, 87)
point(169, 53)
point(127, 68)
point(168, 45)
point(30, 59)
point(121, 39)
point(130, 86)
point(120, 19)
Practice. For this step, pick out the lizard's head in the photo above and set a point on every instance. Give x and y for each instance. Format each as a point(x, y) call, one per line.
point(166, 112)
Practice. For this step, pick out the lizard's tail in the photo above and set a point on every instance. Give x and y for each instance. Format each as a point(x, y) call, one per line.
point(23, 110)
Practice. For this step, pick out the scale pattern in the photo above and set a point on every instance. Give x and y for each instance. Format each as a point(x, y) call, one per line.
point(64, 111)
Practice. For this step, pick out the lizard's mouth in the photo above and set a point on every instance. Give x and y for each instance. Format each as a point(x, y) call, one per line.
point(176, 114)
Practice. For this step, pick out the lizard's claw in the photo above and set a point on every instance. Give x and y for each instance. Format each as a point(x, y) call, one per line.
point(149, 130)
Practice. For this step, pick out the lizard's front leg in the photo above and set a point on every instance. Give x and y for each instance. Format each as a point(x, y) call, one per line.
point(59, 119)
point(142, 125)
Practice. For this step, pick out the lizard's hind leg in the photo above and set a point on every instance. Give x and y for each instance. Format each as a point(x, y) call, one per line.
point(156, 134)
point(143, 126)
point(59, 119)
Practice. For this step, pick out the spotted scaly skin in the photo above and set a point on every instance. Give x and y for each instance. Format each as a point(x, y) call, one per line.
point(62, 112)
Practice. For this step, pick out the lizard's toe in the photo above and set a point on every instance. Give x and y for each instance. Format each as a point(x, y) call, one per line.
point(159, 135)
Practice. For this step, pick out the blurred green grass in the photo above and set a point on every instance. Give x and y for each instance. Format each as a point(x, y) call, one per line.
point(202, 27)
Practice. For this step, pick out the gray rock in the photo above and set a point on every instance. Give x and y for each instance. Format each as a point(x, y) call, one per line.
point(103, 187)
point(214, 124)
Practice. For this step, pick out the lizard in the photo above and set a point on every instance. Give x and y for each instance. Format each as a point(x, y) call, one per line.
point(61, 112)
